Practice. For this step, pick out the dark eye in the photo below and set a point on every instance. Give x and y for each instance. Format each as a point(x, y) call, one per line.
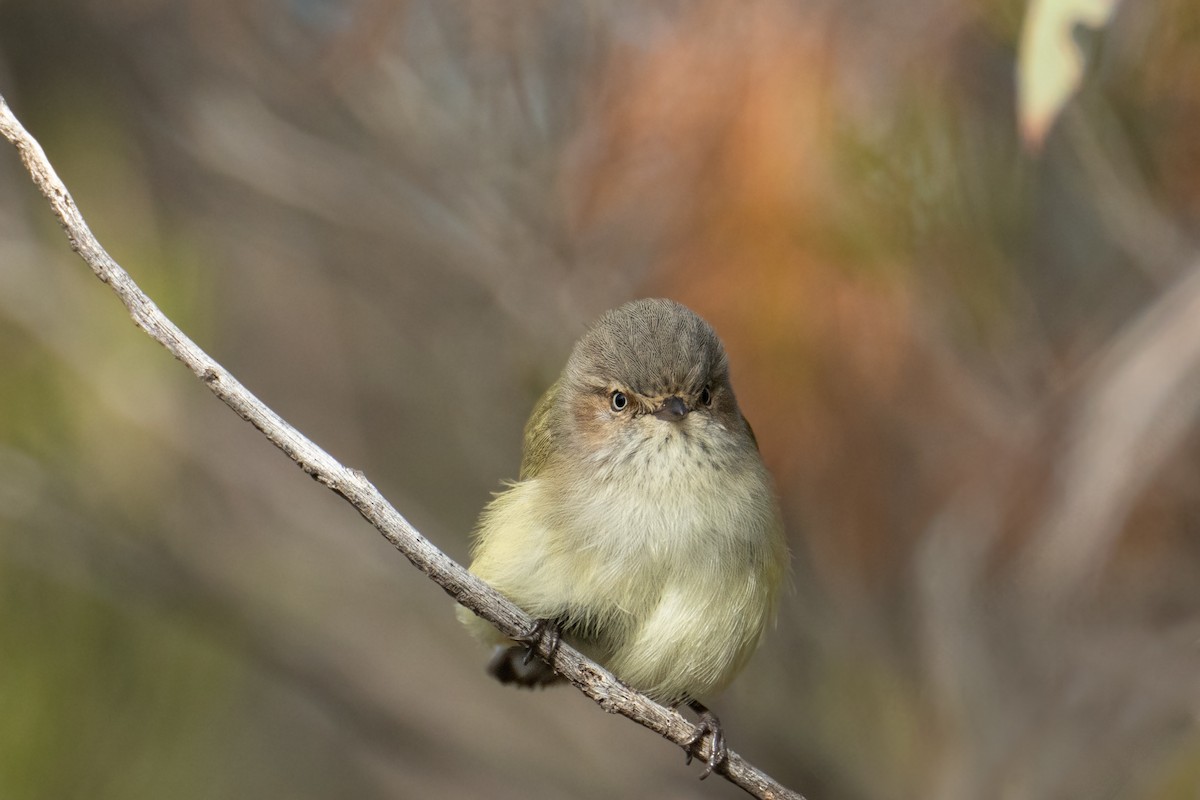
point(619, 401)
point(706, 396)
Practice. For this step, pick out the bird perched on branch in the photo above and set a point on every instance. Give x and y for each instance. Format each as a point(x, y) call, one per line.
point(644, 529)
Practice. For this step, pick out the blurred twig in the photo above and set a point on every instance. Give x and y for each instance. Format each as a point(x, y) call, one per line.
point(352, 485)
point(1142, 394)
point(1141, 398)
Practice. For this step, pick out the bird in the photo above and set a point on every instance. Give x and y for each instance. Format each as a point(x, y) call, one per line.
point(644, 529)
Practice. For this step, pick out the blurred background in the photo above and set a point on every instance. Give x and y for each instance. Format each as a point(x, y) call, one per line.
point(973, 367)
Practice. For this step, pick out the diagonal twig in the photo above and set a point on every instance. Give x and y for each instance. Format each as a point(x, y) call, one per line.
point(592, 679)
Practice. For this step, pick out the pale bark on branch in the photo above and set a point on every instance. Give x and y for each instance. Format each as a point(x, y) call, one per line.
point(592, 679)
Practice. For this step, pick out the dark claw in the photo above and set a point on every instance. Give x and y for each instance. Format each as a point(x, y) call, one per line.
point(708, 725)
point(543, 630)
point(516, 664)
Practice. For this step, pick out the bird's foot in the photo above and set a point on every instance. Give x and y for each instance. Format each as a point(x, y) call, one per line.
point(709, 726)
point(546, 631)
point(516, 663)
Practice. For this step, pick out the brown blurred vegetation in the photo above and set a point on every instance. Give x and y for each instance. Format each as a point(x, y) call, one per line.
point(974, 371)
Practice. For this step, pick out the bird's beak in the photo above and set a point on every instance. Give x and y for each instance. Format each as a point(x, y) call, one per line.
point(673, 409)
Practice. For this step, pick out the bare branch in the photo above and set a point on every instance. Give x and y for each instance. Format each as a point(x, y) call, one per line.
point(592, 679)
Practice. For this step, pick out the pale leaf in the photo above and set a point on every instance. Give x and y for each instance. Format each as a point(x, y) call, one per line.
point(1050, 63)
